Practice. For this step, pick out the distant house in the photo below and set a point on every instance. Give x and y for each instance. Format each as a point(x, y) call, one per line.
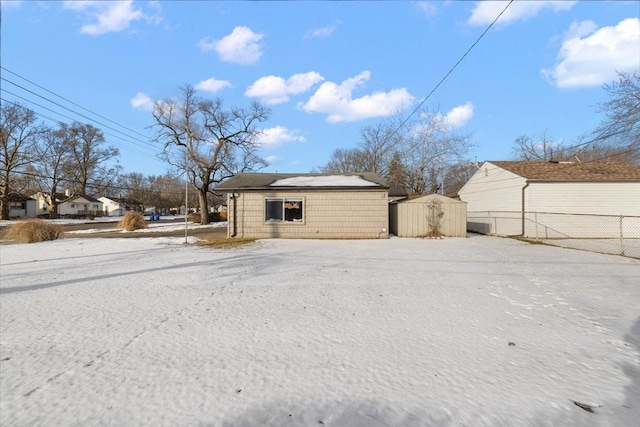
point(264, 205)
point(21, 206)
point(533, 199)
point(118, 206)
point(70, 207)
point(429, 215)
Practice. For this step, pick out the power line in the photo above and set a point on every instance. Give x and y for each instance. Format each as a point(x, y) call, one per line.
point(124, 147)
point(415, 110)
point(71, 102)
point(76, 112)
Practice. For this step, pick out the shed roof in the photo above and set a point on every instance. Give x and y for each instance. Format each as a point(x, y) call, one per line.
point(426, 198)
point(569, 171)
point(306, 181)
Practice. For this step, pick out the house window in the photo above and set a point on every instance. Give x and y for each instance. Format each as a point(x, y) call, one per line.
point(73, 205)
point(283, 210)
point(95, 207)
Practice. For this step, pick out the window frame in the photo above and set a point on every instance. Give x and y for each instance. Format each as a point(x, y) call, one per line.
point(283, 212)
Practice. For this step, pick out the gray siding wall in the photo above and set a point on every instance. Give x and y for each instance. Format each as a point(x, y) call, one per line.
point(338, 214)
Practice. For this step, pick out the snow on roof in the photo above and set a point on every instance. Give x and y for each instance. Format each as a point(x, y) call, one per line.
point(324, 181)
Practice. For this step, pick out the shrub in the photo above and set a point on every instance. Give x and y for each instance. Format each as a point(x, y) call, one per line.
point(132, 221)
point(31, 231)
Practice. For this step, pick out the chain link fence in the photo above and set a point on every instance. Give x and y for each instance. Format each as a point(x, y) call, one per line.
point(609, 234)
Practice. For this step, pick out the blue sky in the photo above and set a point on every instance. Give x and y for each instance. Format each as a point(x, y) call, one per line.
point(326, 69)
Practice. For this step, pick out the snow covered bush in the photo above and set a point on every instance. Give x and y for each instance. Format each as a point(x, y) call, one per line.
point(31, 231)
point(132, 221)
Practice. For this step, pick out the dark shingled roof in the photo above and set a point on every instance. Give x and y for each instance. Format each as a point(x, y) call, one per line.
point(564, 171)
point(262, 181)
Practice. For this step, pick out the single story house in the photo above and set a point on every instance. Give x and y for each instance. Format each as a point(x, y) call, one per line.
point(21, 206)
point(317, 206)
point(431, 215)
point(545, 199)
point(118, 206)
point(82, 205)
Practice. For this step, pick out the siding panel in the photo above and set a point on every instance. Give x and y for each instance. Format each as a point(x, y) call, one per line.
point(327, 215)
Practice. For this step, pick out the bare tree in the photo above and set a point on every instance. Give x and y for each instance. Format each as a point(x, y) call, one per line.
point(616, 138)
point(92, 168)
point(19, 137)
point(422, 148)
point(379, 143)
point(168, 192)
point(219, 142)
point(373, 153)
point(343, 161)
point(622, 110)
point(618, 135)
point(430, 148)
point(457, 176)
point(532, 148)
point(53, 168)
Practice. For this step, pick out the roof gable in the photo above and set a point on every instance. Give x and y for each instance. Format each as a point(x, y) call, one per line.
point(569, 171)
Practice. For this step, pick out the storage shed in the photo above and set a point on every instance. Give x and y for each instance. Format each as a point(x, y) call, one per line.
point(432, 215)
point(315, 206)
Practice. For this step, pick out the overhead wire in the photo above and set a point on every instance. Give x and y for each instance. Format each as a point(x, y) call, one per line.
point(148, 144)
point(442, 80)
point(71, 102)
point(124, 147)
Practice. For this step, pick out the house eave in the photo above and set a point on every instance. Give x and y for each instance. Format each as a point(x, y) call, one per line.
point(272, 189)
point(554, 181)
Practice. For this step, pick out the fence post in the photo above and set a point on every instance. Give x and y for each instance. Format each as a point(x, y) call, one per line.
point(621, 236)
point(535, 218)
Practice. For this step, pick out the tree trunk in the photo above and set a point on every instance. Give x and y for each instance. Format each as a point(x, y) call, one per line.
point(4, 208)
point(4, 199)
point(53, 210)
point(204, 207)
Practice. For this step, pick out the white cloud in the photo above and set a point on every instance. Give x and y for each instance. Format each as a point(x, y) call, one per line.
point(428, 8)
point(276, 136)
point(322, 32)
point(142, 102)
point(242, 46)
point(276, 90)
point(7, 5)
point(459, 116)
point(336, 101)
point(270, 159)
point(110, 16)
point(212, 85)
point(593, 59)
point(485, 12)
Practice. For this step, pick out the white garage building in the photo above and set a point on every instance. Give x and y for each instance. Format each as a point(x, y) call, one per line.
point(554, 199)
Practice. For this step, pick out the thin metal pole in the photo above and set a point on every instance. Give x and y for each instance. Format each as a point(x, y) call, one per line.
point(186, 190)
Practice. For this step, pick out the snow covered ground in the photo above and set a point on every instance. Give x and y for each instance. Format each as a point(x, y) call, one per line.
point(480, 331)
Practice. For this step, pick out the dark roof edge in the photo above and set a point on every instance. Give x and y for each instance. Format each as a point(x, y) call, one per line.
point(294, 188)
